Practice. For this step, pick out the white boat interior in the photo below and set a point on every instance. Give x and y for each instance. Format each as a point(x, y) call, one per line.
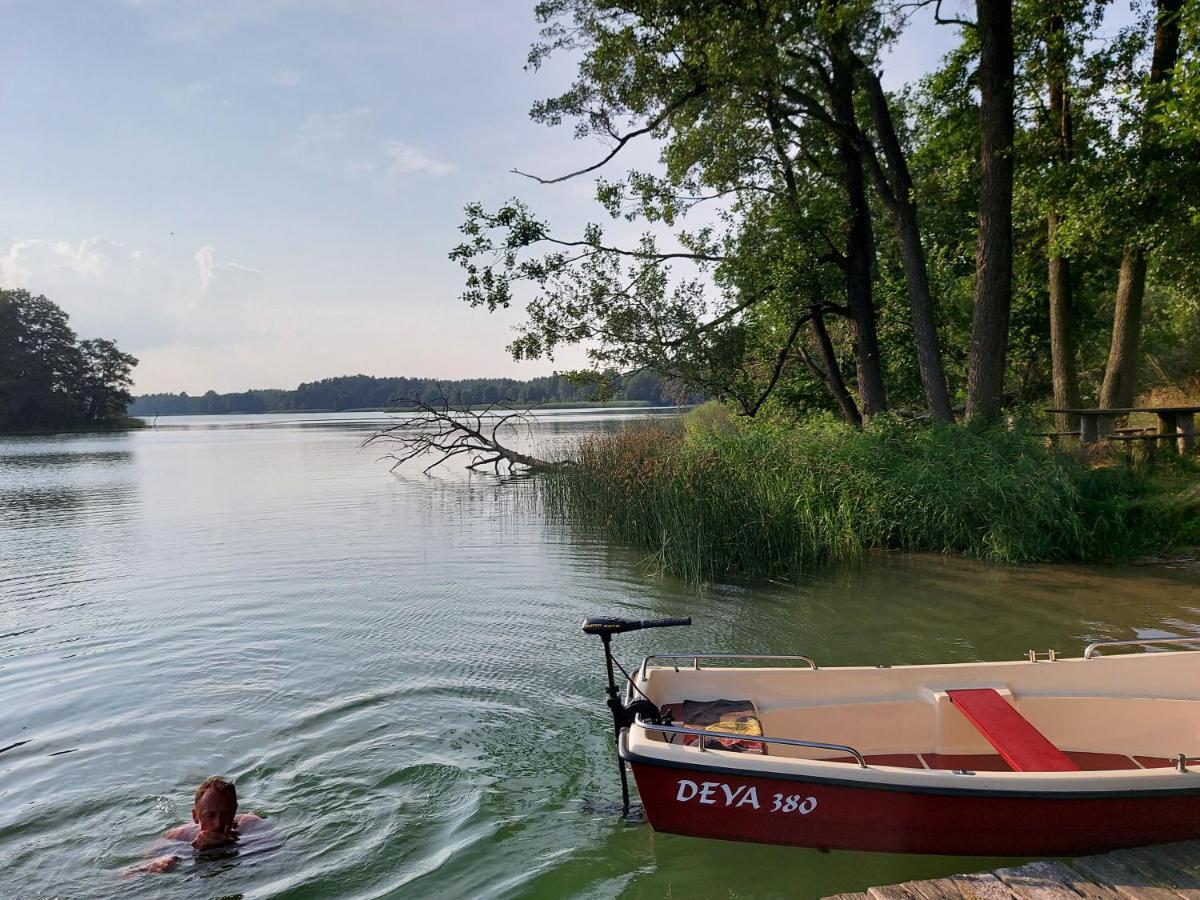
point(1054, 720)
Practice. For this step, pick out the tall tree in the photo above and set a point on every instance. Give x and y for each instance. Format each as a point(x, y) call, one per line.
point(1064, 374)
point(993, 266)
point(1119, 374)
point(886, 162)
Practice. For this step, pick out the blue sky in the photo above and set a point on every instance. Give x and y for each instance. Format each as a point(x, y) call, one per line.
point(254, 193)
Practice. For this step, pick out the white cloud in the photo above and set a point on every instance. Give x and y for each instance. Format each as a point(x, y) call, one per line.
point(205, 260)
point(345, 141)
point(13, 266)
point(143, 300)
point(88, 259)
point(37, 259)
point(406, 160)
point(224, 275)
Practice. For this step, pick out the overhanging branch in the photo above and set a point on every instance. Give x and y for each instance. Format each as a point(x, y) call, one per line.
point(624, 139)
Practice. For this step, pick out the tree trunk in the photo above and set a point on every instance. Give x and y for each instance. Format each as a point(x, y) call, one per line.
point(895, 188)
point(832, 375)
point(1062, 334)
point(1121, 372)
point(993, 259)
point(1063, 373)
point(860, 251)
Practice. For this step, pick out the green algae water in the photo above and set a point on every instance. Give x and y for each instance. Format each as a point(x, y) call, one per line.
point(390, 666)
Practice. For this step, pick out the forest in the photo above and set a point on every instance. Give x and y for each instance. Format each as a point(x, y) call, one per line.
point(1020, 227)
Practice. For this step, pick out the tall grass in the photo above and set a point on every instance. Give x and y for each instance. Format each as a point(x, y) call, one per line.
point(717, 496)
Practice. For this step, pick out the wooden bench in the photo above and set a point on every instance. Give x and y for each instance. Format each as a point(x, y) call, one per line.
point(1176, 424)
point(1019, 744)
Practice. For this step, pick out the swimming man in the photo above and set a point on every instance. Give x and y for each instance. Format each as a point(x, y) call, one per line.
point(215, 823)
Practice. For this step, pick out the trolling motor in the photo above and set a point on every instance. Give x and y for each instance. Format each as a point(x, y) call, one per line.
point(623, 716)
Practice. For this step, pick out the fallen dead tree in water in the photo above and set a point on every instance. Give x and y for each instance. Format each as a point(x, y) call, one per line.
point(448, 431)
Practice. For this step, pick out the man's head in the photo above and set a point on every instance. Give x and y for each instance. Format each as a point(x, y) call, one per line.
point(215, 805)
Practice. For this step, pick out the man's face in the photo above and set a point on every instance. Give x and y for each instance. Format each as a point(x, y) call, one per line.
point(215, 811)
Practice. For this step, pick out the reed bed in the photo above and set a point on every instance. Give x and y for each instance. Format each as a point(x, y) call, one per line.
point(715, 496)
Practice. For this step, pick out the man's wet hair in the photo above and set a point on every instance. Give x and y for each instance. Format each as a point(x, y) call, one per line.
point(218, 784)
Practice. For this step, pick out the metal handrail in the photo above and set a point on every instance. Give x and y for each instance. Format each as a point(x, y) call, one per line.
point(696, 657)
point(789, 742)
point(1092, 648)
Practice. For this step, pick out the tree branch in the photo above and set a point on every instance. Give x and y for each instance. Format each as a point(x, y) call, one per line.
point(777, 370)
point(636, 254)
point(439, 428)
point(671, 108)
point(937, 13)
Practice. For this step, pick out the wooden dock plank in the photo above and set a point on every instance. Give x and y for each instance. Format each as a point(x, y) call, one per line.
point(1166, 872)
point(891, 892)
point(976, 886)
point(1162, 869)
point(1185, 854)
point(1051, 880)
point(1119, 874)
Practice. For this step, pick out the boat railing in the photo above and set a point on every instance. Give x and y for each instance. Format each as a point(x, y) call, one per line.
point(702, 736)
point(1091, 649)
point(696, 659)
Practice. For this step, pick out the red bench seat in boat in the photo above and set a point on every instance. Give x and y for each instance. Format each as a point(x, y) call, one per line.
point(1020, 744)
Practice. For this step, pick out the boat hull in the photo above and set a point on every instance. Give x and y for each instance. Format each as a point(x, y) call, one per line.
point(827, 813)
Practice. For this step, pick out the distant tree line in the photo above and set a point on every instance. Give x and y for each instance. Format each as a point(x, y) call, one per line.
point(50, 380)
point(349, 392)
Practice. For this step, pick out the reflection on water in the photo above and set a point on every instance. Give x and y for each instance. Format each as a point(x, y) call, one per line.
point(390, 667)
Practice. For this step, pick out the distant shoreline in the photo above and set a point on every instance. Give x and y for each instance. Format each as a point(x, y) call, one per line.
point(128, 423)
point(580, 404)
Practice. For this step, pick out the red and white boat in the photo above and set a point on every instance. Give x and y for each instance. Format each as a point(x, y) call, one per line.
point(1040, 757)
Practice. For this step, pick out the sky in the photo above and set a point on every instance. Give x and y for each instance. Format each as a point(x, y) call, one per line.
point(257, 193)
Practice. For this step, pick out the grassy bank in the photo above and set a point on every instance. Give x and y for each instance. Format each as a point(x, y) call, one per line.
point(719, 496)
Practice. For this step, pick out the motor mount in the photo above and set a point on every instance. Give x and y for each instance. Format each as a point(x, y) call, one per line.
point(623, 716)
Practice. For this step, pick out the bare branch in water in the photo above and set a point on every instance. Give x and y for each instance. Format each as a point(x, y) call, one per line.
point(448, 431)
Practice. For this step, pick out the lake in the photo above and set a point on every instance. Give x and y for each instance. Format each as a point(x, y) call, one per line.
point(390, 666)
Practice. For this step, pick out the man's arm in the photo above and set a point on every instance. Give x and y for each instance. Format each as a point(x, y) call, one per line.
point(153, 867)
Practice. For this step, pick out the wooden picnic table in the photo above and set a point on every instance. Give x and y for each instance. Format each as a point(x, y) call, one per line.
point(1176, 424)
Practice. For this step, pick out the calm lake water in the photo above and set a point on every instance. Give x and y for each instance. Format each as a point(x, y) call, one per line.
point(390, 666)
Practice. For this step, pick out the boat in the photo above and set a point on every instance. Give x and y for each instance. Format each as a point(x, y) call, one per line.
point(1042, 756)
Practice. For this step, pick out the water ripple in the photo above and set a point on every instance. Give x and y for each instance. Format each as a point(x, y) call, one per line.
point(391, 669)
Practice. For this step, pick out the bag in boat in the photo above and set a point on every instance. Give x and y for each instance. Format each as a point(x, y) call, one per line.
point(737, 718)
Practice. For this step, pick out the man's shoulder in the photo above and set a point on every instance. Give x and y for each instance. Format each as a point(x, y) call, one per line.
point(245, 819)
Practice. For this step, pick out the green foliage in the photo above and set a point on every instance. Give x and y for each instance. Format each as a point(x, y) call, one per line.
point(723, 496)
point(746, 217)
point(50, 381)
point(1179, 116)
